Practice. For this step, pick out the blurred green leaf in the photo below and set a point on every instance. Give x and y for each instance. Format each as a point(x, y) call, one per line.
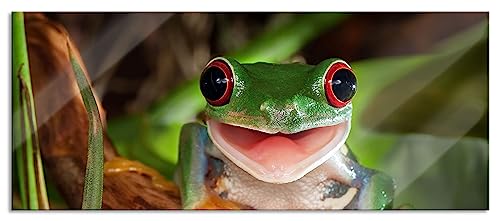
point(440, 173)
point(280, 42)
point(382, 72)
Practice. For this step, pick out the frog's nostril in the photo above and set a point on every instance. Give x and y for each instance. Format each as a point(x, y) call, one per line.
point(263, 106)
point(270, 109)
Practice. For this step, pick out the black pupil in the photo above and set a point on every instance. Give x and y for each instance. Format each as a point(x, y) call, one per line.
point(344, 84)
point(213, 83)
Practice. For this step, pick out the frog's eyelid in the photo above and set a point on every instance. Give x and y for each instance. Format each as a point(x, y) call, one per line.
point(225, 60)
point(337, 61)
point(325, 72)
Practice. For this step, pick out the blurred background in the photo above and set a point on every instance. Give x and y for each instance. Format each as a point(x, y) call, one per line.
point(420, 114)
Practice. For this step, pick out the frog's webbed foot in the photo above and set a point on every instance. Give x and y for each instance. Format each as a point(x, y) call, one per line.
point(120, 165)
point(375, 189)
point(375, 192)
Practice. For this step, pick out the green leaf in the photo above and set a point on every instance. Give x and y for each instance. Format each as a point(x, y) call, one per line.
point(93, 187)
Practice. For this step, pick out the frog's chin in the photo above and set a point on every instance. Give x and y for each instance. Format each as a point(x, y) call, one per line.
point(278, 158)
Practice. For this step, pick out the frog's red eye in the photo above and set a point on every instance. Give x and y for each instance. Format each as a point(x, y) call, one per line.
point(216, 82)
point(340, 84)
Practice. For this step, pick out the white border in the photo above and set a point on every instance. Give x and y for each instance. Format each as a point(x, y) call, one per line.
point(254, 5)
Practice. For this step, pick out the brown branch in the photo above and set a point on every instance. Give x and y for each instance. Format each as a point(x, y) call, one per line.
point(62, 123)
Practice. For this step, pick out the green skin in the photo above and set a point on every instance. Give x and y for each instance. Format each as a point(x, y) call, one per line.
point(260, 90)
point(278, 86)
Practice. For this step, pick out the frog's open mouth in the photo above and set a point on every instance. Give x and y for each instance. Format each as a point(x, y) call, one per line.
point(278, 158)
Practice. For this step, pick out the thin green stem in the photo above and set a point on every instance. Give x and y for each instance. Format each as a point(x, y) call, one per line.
point(21, 177)
point(18, 58)
point(17, 45)
point(22, 129)
point(30, 168)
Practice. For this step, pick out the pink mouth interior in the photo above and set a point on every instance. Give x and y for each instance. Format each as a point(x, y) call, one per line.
point(276, 152)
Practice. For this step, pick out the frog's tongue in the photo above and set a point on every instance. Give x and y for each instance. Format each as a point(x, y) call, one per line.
point(278, 158)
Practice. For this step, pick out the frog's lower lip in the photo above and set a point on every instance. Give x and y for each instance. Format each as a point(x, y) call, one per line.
point(278, 158)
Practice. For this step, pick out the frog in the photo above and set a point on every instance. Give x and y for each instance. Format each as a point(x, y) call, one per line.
point(273, 136)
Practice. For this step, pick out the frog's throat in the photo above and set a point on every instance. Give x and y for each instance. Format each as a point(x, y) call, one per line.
point(278, 158)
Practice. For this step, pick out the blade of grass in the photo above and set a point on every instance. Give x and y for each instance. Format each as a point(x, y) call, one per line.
point(30, 168)
point(92, 191)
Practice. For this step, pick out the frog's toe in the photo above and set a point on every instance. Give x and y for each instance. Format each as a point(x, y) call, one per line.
point(213, 201)
point(376, 193)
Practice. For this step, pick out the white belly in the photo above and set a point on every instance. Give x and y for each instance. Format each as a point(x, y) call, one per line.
point(309, 192)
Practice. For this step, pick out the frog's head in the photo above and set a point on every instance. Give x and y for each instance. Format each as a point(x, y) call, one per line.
point(278, 121)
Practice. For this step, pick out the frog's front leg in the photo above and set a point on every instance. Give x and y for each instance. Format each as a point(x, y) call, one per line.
point(192, 169)
point(375, 189)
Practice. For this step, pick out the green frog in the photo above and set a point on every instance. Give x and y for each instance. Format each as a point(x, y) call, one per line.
point(273, 136)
